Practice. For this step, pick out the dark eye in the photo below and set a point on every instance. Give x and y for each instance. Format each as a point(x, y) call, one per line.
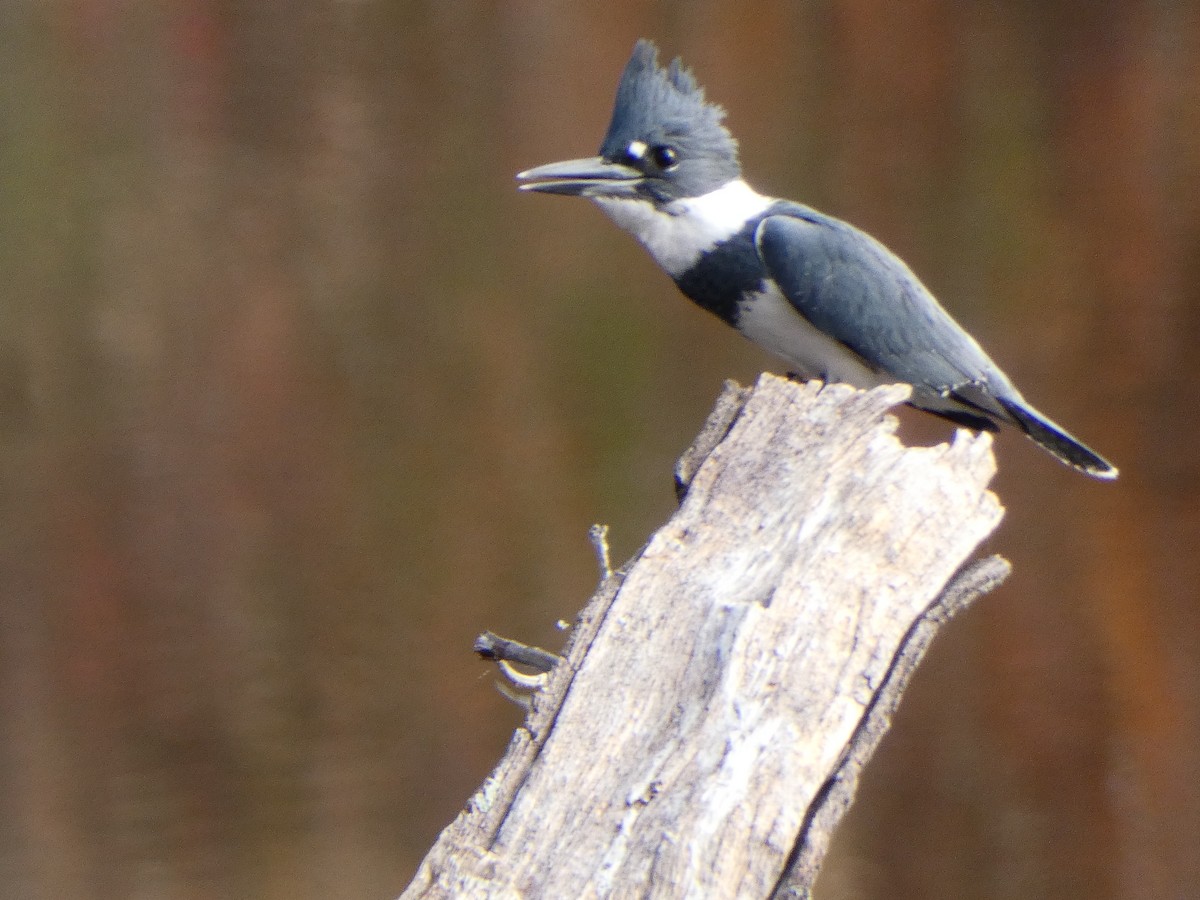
point(664, 156)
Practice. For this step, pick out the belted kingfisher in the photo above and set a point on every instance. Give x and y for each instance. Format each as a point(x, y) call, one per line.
point(828, 299)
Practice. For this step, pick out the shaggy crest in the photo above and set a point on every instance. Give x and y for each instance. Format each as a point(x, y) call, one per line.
point(666, 105)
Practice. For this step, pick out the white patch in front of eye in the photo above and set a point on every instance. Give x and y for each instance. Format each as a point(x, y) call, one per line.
point(637, 149)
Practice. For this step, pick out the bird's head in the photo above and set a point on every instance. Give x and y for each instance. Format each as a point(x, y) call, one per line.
point(664, 143)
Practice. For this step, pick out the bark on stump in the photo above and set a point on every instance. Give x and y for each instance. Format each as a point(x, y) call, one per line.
point(721, 691)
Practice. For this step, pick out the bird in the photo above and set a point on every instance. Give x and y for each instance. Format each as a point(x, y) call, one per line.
point(829, 300)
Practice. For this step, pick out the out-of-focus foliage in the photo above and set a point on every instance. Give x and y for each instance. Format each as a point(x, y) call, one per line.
point(297, 394)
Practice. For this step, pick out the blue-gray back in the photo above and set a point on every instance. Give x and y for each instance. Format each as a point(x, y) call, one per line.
point(860, 293)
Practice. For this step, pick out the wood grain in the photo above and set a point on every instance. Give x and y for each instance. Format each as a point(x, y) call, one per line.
point(719, 685)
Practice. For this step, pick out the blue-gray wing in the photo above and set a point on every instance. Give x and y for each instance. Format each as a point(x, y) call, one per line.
point(858, 292)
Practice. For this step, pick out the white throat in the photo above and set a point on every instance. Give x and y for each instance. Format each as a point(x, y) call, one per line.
point(677, 234)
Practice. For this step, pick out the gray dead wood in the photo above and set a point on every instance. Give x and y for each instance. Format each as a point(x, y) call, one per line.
point(722, 690)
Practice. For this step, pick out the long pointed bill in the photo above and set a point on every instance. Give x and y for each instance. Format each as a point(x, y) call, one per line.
point(591, 177)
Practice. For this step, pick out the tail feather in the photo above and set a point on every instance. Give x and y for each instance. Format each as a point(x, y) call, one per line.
point(1058, 442)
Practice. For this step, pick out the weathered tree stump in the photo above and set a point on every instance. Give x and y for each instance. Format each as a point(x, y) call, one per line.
point(721, 691)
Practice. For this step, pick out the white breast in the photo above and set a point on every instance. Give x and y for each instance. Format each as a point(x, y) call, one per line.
point(678, 233)
point(770, 321)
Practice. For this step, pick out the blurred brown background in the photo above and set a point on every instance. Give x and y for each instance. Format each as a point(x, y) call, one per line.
point(297, 395)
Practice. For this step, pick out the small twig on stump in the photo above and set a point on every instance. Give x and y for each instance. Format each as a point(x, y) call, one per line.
point(598, 535)
point(492, 646)
point(517, 686)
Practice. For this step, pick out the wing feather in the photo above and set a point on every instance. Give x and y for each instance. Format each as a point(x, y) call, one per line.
point(861, 294)
point(857, 291)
